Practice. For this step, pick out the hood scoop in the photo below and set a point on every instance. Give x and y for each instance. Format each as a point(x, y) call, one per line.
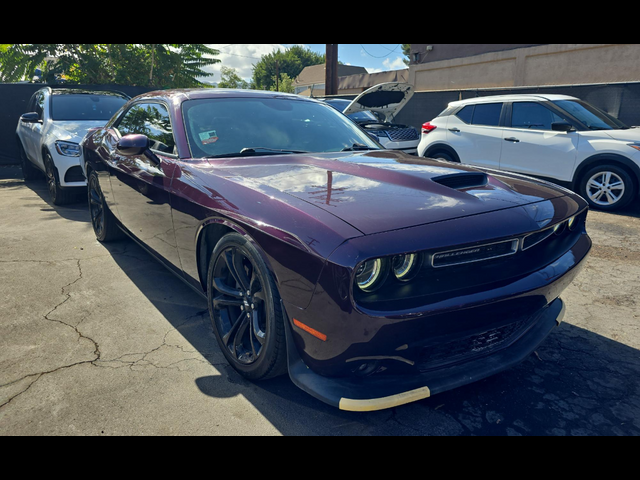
point(463, 181)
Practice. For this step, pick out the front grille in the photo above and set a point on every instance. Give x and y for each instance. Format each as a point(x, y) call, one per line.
point(471, 346)
point(403, 134)
point(74, 174)
point(475, 254)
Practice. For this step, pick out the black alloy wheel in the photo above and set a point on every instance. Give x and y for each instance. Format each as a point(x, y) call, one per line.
point(56, 193)
point(96, 206)
point(245, 310)
point(104, 223)
point(29, 172)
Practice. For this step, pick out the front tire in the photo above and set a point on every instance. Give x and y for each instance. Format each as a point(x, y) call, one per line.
point(245, 310)
point(104, 223)
point(607, 187)
point(58, 196)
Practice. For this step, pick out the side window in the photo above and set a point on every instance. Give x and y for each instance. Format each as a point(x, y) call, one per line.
point(152, 120)
point(487, 114)
point(533, 116)
point(39, 104)
point(466, 114)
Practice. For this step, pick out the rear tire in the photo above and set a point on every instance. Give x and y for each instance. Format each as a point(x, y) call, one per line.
point(29, 171)
point(442, 155)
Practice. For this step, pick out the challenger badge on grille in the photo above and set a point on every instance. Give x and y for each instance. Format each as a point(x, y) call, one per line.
point(475, 254)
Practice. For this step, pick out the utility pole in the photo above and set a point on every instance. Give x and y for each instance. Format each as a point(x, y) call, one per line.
point(331, 70)
point(277, 75)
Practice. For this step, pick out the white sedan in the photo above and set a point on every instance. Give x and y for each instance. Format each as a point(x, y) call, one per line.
point(49, 135)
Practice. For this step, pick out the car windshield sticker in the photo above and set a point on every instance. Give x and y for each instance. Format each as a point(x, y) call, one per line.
point(208, 138)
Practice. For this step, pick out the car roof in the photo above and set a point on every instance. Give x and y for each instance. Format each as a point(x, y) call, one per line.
point(511, 98)
point(206, 93)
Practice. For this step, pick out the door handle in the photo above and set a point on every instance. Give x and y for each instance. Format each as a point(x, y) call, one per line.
point(512, 139)
point(454, 130)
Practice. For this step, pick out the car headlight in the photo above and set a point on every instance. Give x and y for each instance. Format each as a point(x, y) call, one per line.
point(559, 229)
point(405, 267)
point(573, 222)
point(68, 149)
point(370, 275)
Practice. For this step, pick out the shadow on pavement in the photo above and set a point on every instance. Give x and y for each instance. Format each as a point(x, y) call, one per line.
point(577, 383)
point(11, 177)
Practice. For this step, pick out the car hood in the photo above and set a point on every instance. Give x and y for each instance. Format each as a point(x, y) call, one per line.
point(385, 190)
point(386, 99)
point(73, 130)
point(627, 135)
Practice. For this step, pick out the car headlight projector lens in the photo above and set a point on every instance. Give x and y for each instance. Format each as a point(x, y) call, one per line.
point(369, 275)
point(68, 149)
point(405, 266)
point(573, 222)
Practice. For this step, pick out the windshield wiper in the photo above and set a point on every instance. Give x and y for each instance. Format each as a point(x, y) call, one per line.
point(357, 146)
point(249, 152)
point(265, 149)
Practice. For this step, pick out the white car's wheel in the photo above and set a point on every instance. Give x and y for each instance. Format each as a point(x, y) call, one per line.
point(608, 187)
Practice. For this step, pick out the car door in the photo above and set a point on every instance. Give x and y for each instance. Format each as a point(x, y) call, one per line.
point(475, 133)
point(140, 184)
point(532, 147)
point(33, 131)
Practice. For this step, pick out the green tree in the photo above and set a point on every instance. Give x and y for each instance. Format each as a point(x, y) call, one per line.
point(406, 50)
point(165, 65)
point(231, 79)
point(285, 84)
point(290, 62)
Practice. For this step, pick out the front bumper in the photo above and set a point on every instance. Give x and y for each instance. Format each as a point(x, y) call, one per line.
point(70, 173)
point(383, 392)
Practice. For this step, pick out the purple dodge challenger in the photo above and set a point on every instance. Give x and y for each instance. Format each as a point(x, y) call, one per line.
point(373, 277)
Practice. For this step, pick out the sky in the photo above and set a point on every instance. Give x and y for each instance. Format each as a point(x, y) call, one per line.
point(373, 57)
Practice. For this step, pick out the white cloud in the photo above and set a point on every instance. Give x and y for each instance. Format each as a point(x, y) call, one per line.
point(242, 57)
point(397, 64)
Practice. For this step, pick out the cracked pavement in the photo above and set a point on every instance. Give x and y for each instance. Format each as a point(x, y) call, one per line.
point(99, 340)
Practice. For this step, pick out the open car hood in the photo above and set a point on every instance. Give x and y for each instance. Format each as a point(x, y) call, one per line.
point(386, 99)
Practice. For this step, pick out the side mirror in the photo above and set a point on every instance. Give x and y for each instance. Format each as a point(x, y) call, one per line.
point(30, 118)
point(133, 145)
point(562, 127)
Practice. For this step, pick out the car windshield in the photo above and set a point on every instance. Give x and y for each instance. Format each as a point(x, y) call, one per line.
point(590, 116)
point(85, 106)
point(341, 106)
point(228, 127)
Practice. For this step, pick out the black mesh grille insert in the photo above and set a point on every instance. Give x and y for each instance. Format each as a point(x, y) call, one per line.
point(471, 346)
point(74, 174)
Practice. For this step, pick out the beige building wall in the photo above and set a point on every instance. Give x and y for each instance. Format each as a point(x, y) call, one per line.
point(553, 64)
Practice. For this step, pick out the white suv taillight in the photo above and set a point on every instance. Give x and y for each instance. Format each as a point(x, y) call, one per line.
point(428, 128)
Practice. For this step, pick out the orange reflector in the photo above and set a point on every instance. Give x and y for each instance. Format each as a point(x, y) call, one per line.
point(310, 330)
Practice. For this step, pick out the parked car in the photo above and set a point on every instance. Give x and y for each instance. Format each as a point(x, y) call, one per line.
point(49, 135)
point(375, 111)
point(556, 137)
point(374, 277)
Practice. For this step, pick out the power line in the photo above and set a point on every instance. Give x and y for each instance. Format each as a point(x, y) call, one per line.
point(383, 56)
point(395, 50)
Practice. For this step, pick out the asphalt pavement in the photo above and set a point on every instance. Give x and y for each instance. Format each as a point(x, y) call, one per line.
point(102, 340)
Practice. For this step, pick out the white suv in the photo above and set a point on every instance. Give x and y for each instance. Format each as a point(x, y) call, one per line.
point(49, 135)
point(554, 137)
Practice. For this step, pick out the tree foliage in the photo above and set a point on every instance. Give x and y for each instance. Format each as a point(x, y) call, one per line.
point(231, 79)
point(165, 65)
point(290, 62)
point(406, 51)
